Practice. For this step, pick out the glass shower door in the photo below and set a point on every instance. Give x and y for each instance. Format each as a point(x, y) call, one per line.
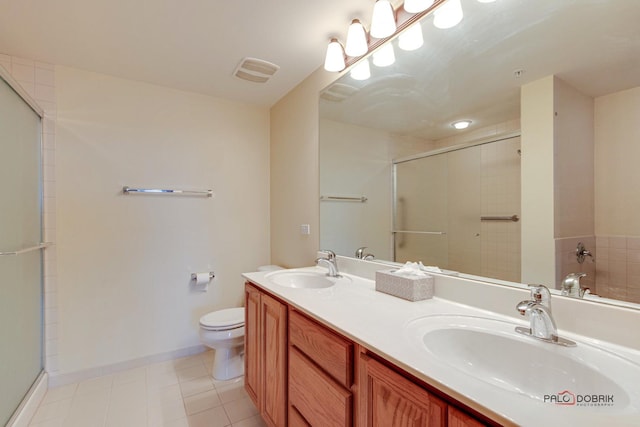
point(21, 318)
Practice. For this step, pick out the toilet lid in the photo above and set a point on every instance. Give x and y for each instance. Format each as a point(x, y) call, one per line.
point(228, 318)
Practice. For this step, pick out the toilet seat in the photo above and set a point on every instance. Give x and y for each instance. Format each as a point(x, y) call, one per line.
point(223, 320)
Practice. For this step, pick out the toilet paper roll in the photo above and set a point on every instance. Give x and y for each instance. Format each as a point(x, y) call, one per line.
point(202, 281)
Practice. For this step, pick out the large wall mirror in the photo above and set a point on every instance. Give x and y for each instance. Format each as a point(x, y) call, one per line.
point(548, 164)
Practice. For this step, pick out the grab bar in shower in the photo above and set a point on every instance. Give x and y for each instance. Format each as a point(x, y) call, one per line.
point(25, 250)
point(513, 218)
point(128, 190)
point(360, 199)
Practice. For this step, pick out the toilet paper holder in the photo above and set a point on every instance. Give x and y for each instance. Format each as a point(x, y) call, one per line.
point(194, 275)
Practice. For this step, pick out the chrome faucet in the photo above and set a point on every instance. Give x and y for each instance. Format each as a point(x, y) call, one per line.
point(571, 285)
point(538, 311)
point(361, 255)
point(330, 262)
point(582, 253)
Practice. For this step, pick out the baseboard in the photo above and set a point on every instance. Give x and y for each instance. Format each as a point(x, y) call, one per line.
point(30, 403)
point(57, 380)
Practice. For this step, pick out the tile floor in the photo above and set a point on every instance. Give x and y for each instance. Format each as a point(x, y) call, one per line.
point(176, 393)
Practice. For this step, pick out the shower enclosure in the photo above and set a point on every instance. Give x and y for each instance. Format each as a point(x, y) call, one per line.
point(21, 278)
point(459, 208)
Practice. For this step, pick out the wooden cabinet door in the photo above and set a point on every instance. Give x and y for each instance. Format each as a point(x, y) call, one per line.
point(457, 418)
point(252, 357)
point(391, 400)
point(273, 316)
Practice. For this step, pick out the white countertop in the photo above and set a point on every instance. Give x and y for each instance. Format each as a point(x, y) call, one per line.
point(379, 322)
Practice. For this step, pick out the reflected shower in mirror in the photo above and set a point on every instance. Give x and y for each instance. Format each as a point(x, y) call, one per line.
point(561, 74)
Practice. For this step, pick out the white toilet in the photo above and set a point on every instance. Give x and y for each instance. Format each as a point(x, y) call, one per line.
point(223, 331)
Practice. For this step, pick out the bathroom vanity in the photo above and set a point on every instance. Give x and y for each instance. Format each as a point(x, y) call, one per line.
point(334, 352)
point(330, 380)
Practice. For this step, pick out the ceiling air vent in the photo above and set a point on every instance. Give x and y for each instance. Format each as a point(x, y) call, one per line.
point(338, 92)
point(255, 70)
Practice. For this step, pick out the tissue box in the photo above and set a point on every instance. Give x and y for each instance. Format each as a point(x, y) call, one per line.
point(409, 288)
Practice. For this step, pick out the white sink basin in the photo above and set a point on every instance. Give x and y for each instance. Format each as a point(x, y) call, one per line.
point(301, 279)
point(489, 350)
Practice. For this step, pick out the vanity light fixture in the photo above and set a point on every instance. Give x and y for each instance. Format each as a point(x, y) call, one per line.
point(486, 1)
point(334, 59)
point(384, 56)
point(361, 71)
point(411, 38)
point(415, 6)
point(356, 39)
point(383, 21)
point(461, 124)
point(448, 15)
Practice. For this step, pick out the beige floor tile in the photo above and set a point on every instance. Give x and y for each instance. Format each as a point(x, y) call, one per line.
point(230, 392)
point(60, 393)
point(191, 373)
point(240, 409)
point(161, 379)
point(160, 395)
point(215, 417)
point(182, 422)
point(201, 402)
point(133, 417)
point(196, 386)
point(161, 367)
point(166, 412)
point(187, 362)
point(53, 410)
point(130, 376)
point(56, 422)
point(94, 384)
point(255, 421)
point(129, 396)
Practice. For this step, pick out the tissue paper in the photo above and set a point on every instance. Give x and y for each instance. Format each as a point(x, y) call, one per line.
point(408, 282)
point(202, 282)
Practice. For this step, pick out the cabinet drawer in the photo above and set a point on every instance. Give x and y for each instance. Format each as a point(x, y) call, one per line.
point(319, 399)
point(328, 350)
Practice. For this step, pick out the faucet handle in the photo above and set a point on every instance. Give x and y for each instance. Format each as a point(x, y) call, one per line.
point(330, 254)
point(360, 252)
point(541, 295)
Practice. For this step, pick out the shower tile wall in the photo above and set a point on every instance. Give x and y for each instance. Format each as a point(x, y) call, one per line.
point(500, 174)
point(38, 80)
point(618, 267)
point(567, 262)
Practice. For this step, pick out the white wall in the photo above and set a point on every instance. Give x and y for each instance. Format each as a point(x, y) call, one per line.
point(617, 200)
point(573, 162)
point(294, 172)
point(124, 261)
point(357, 161)
point(537, 120)
point(617, 132)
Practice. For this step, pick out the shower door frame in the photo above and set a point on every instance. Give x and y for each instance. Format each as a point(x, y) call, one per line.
point(38, 387)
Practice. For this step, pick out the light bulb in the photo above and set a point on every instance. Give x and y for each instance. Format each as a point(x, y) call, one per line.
point(334, 60)
point(384, 56)
point(448, 15)
point(461, 124)
point(361, 71)
point(486, 1)
point(356, 39)
point(416, 6)
point(411, 38)
point(383, 22)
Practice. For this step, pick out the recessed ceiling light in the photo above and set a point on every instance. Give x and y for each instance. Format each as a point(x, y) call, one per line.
point(461, 124)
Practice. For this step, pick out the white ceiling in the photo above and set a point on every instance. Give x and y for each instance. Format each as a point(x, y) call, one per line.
point(467, 72)
point(192, 45)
